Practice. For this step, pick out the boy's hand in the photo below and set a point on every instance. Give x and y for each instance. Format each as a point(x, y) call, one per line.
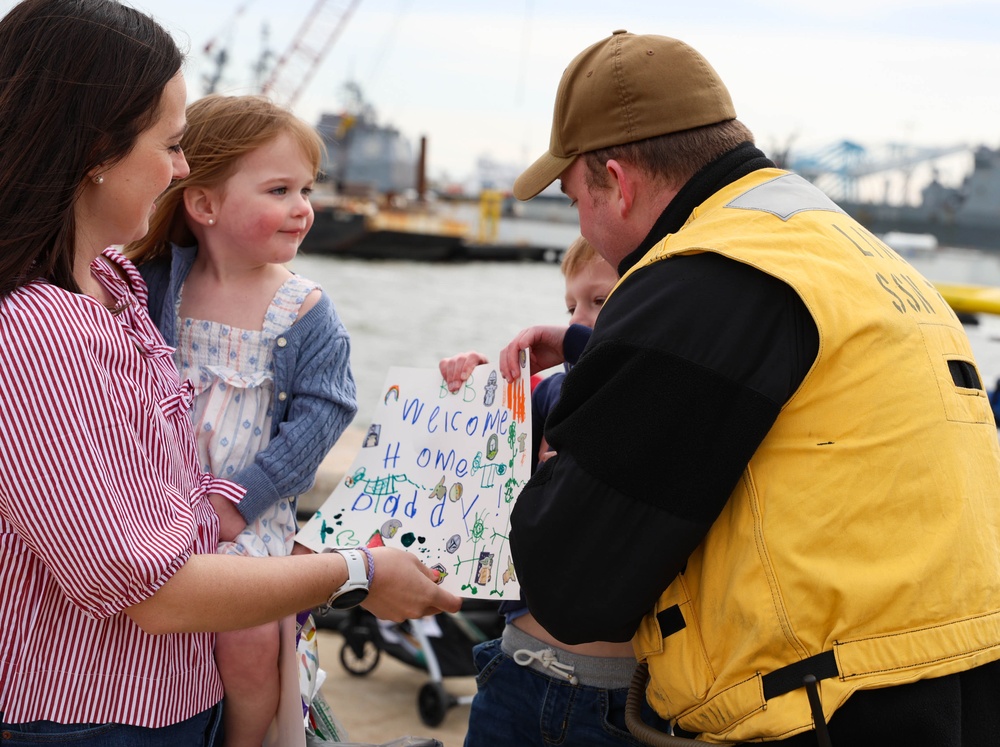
point(545, 452)
point(458, 368)
point(546, 343)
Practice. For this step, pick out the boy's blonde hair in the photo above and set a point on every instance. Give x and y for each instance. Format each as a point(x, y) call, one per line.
point(220, 131)
point(581, 252)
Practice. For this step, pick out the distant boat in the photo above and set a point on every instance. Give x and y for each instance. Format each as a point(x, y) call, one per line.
point(361, 228)
point(375, 204)
point(376, 208)
point(907, 243)
point(967, 216)
point(966, 298)
point(350, 227)
point(555, 207)
point(363, 156)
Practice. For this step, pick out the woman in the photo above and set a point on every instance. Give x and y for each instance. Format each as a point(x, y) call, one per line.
point(109, 587)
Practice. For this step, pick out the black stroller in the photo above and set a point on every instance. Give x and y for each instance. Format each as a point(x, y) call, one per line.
point(446, 655)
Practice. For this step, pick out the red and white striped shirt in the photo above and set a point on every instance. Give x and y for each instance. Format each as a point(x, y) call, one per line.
point(101, 501)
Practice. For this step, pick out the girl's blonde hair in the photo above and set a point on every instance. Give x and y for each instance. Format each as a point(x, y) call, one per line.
point(220, 131)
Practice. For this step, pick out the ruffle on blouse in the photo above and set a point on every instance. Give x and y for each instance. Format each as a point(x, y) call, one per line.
point(129, 296)
point(209, 376)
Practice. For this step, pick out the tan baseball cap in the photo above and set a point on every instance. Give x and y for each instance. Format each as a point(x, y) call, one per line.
point(622, 89)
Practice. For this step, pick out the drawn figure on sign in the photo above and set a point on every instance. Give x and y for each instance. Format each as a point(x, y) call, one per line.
point(454, 542)
point(380, 486)
point(490, 471)
point(520, 442)
point(455, 493)
point(484, 571)
point(371, 438)
point(392, 393)
point(439, 490)
point(390, 528)
point(490, 389)
point(509, 574)
point(492, 447)
point(478, 528)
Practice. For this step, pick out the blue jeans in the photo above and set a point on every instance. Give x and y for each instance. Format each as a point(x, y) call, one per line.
point(198, 731)
point(517, 706)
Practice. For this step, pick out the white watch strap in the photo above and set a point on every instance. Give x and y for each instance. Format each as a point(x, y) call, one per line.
point(357, 574)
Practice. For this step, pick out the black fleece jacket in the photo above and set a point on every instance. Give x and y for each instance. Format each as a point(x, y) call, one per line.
point(687, 368)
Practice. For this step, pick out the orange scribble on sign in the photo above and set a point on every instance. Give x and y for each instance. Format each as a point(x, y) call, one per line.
point(515, 399)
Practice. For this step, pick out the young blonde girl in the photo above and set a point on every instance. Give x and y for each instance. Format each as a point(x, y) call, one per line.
point(265, 351)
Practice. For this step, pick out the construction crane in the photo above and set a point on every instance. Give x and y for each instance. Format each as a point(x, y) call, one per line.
point(296, 66)
point(837, 167)
point(218, 51)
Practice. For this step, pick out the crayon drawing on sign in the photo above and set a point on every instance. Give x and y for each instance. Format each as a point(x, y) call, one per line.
point(437, 475)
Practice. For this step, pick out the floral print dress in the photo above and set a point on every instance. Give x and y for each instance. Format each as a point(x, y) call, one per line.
point(232, 373)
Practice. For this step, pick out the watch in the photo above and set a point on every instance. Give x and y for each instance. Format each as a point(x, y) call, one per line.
point(355, 588)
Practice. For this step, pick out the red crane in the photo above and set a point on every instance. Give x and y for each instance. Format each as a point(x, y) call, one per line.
point(296, 66)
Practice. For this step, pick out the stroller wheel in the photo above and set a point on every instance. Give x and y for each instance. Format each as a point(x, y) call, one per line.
point(433, 703)
point(359, 656)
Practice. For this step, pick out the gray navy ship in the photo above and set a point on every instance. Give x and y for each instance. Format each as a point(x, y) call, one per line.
point(966, 216)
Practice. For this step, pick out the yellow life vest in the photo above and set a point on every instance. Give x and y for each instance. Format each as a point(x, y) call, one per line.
point(862, 543)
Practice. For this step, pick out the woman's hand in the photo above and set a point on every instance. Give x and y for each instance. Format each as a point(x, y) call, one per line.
point(404, 588)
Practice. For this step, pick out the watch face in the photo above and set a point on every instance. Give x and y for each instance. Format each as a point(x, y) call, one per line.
point(349, 599)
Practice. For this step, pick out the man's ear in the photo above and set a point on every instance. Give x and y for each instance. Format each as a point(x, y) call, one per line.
point(201, 205)
point(623, 186)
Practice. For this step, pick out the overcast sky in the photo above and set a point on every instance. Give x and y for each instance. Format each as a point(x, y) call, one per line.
point(478, 77)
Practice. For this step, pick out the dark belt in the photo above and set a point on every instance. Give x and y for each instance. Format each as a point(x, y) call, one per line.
point(790, 677)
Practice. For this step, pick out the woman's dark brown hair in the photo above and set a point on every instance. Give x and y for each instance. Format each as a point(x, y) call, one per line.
point(79, 81)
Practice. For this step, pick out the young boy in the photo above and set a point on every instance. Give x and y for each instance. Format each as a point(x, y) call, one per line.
point(541, 691)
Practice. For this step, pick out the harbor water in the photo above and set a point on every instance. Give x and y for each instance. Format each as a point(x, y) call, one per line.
point(415, 313)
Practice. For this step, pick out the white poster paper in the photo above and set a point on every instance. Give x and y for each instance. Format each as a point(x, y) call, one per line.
point(437, 475)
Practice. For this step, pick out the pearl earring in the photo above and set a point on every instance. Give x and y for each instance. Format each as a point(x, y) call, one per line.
point(211, 221)
point(99, 179)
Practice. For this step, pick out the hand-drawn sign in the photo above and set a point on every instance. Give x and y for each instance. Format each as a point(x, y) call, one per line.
point(438, 477)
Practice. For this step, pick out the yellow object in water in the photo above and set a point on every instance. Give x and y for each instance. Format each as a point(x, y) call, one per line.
point(970, 299)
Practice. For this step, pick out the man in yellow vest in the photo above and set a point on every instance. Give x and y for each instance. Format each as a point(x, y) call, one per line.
point(775, 459)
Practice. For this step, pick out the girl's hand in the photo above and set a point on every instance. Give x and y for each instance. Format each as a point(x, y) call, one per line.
point(231, 521)
point(458, 368)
